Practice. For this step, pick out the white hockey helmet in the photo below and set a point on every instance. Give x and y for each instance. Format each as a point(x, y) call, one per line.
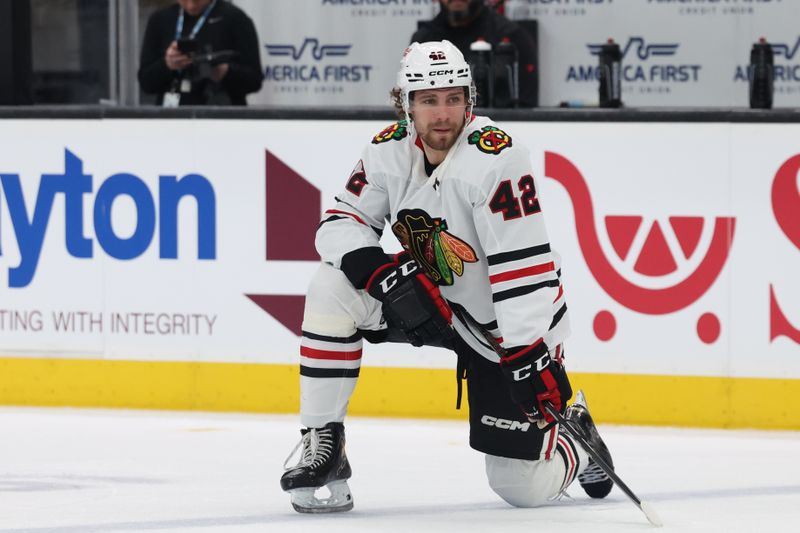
point(433, 65)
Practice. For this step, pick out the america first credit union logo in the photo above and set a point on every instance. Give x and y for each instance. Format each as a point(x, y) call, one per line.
point(648, 66)
point(642, 49)
point(317, 50)
point(710, 8)
point(786, 50)
point(312, 66)
point(409, 9)
point(531, 9)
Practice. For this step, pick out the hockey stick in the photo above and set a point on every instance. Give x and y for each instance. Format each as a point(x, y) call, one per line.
point(645, 507)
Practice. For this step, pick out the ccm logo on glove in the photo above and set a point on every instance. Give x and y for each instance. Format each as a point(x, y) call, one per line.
point(534, 378)
point(411, 302)
point(394, 276)
point(525, 372)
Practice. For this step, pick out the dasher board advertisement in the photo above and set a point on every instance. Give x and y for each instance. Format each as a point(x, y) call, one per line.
point(688, 53)
point(178, 240)
point(332, 52)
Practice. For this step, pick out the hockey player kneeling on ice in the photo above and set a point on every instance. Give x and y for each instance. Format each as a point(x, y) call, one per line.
point(476, 275)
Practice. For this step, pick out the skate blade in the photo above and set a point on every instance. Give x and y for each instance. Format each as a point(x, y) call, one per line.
point(580, 398)
point(340, 500)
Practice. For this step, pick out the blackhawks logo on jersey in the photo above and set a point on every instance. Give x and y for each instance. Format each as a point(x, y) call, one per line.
point(490, 140)
point(434, 248)
point(396, 131)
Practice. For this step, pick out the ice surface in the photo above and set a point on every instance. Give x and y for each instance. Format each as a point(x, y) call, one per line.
point(87, 471)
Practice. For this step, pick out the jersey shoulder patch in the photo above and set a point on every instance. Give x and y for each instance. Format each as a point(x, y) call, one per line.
point(396, 132)
point(490, 140)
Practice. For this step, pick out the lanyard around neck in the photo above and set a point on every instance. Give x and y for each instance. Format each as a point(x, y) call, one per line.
point(197, 25)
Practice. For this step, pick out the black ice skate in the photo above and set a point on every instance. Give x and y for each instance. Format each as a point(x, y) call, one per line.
point(323, 463)
point(594, 481)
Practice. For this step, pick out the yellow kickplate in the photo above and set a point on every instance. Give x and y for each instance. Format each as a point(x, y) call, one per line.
point(689, 401)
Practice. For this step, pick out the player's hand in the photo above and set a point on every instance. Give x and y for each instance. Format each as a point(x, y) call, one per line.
point(175, 59)
point(533, 378)
point(411, 302)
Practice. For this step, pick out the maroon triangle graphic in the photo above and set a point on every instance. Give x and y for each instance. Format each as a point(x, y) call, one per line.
point(293, 213)
point(285, 308)
point(621, 231)
point(655, 259)
point(687, 231)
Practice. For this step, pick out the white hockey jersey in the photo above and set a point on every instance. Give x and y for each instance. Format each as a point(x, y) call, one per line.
point(474, 225)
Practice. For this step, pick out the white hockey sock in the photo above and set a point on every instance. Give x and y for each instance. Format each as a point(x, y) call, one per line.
point(329, 368)
point(575, 459)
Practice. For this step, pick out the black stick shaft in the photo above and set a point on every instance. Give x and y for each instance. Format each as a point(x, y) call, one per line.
point(592, 453)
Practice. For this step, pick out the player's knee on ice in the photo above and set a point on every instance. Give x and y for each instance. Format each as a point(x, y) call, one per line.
point(523, 483)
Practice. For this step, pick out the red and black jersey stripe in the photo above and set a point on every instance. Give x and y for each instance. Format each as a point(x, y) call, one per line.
point(521, 291)
point(520, 272)
point(558, 316)
point(516, 255)
point(341, 214)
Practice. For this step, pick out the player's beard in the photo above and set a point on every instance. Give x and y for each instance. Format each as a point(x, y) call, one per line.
point(462, 17)
point(440, 140)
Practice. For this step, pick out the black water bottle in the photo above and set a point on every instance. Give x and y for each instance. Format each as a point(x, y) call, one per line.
point(505, 74)
point(761, 72)
point(610, 74)
point(481, 65)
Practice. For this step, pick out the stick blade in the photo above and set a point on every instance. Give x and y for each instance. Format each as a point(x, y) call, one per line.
point(651, 514)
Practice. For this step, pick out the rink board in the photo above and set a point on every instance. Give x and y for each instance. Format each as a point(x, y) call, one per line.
point(162, 264)
point(338, 53)
point(696, 401)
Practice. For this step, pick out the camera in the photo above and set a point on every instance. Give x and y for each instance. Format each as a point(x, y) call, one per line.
point(187, 46)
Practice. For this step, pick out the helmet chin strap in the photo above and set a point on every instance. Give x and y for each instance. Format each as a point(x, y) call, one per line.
point(412, 130)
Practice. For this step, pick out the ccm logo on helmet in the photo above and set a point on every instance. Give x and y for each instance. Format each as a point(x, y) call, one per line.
point(439, 72)
point(502, 423)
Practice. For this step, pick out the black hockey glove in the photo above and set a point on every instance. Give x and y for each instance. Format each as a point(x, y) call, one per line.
point(411, 302)
point(533, 378)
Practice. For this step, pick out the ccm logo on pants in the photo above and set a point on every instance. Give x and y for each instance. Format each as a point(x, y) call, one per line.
point(502, 423)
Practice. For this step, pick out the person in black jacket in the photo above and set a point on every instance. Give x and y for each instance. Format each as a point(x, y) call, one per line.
point(464, 21)
point(184, 59)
